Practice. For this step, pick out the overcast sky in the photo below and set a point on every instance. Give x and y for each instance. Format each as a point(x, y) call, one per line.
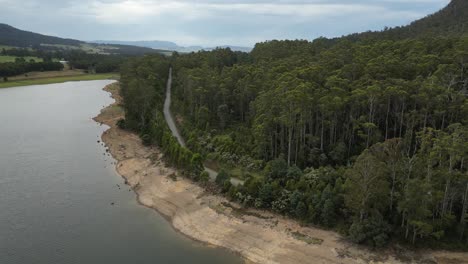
point(210, 22)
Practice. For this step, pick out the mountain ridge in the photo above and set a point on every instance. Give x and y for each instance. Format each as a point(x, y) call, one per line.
point(452, 20)
point(12, 36)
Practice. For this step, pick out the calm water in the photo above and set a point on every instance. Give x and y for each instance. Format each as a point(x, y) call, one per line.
point(56, 187)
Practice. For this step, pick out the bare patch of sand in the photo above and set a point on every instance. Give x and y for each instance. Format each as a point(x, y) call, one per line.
point(259, 237)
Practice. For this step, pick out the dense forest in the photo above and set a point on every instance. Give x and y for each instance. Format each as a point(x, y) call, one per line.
point(366, 136)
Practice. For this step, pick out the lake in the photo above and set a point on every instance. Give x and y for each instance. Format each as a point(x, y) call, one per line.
point(61, 200)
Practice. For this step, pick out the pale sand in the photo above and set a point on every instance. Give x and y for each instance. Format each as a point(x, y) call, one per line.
point(204, 217)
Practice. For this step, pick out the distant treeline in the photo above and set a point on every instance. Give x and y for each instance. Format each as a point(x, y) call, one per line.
point(76, 59)
point(97, 63)
point(9, 69)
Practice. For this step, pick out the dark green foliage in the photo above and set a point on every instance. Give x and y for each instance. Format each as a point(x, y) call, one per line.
point(372, 232)
point(146, 139)
point(276, 169)
point(21, 66)
point(222, 177)
point(450, 21)
point(95, 63)
point(204, 177)
point(11, 36)
point(143, 88)
point(266, 195)
point(375, 118)
point(121, 123)
point(19, 38)
point(366, 135)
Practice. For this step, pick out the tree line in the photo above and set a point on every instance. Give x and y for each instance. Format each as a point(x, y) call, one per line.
point(21, 66)
point(76, 59)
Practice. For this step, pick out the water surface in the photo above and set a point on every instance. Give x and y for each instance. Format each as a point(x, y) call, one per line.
point(57, 187)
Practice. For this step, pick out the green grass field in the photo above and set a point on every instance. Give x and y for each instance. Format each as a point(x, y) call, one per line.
point(84, 77)
point(12, 59)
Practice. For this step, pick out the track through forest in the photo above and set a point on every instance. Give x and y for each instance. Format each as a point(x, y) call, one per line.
point(175, 132)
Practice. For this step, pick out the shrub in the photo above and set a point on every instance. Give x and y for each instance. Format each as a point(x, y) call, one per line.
point(222, 177)
point(146, 139)
point(121, 123)
point(372, 232)
point(204, 177)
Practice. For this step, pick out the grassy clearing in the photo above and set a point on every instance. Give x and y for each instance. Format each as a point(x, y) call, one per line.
point(61, 46)
point(308, 239)
point(12, 59)
point(234, 171)
point(240, 212)
point(46, 74)
point(241, 173)
point(114, 110)
point(83, 77)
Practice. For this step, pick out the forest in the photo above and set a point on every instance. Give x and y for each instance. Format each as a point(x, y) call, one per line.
point(76, 59)
point(365, 136)
point(21, 66)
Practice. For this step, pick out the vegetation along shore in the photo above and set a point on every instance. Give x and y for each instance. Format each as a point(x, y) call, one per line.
point(259, 236)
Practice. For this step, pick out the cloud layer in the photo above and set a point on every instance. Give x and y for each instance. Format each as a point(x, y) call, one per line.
point(210, 22)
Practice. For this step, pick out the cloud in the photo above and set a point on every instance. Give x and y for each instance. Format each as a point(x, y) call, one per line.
point(133, 11)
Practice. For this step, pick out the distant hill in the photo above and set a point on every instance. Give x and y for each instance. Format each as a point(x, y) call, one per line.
point(14, 37)
point(167, 45)
point(453, 19)
point(449, 21)
point(11, 36)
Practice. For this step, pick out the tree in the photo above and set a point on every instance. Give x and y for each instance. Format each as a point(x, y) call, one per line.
point(277, 169)
point(373, 232)
point(390, 153)
point(222, 177)
point(204, 177)
point(366, 186)
point(328, 210)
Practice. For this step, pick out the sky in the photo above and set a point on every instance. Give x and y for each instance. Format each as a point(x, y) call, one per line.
point(210, 22)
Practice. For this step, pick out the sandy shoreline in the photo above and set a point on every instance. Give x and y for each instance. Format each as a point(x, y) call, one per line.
point(259, 237)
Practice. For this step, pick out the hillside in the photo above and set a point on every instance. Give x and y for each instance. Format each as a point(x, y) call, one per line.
point(450, 21)
point(10, 36)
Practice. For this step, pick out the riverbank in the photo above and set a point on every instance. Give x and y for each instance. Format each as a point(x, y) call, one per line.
point(260, 237)
point(32, 80)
